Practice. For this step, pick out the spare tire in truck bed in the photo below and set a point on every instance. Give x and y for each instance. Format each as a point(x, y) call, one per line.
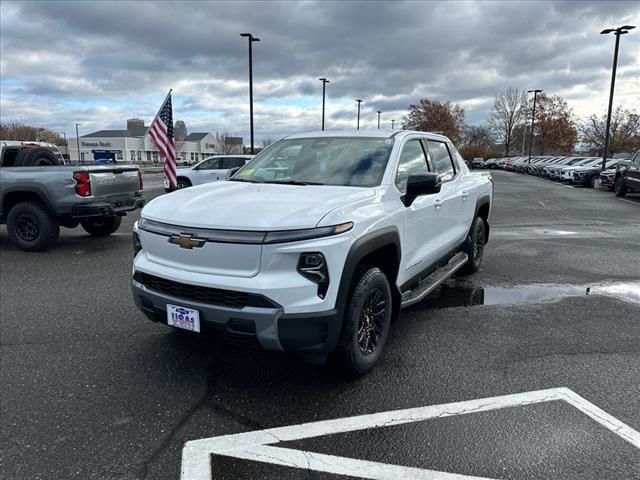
point(36, 157)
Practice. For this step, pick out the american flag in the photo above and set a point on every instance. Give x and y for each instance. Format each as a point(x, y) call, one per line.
point(161, 131)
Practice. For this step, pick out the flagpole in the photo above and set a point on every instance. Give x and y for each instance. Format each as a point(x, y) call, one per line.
point(154, 119)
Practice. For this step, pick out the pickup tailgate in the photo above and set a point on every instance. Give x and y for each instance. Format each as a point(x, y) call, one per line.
point(114, 181)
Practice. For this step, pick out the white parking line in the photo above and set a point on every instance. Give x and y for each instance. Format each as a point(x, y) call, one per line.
point(629, 201)
point(258, 445)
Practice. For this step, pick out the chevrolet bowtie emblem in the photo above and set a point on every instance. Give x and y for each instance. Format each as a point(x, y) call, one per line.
point(186, 241)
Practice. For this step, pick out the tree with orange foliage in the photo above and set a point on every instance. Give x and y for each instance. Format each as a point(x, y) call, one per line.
point(433, 116)
point(554, 128)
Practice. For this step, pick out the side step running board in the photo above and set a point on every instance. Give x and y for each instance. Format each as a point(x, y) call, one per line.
point(429, 284)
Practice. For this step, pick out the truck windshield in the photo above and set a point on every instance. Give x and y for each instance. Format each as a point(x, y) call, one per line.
point(345, 161)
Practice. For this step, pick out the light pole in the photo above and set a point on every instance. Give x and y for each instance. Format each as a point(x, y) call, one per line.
point(524, 136)
point(78, 144)
point(324, 85)
point(533, 117)
point(617, 32)
point(392, 122)
point(358, 123)
point(378, 112)
point(251, 39)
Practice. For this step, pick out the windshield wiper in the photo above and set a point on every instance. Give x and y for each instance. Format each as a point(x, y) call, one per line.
point(293, 182)
point(243, 180)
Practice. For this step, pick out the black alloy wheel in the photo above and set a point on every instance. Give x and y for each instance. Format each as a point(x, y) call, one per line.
point(371, 325)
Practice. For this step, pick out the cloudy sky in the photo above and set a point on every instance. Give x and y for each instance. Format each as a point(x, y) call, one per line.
point(99, 62)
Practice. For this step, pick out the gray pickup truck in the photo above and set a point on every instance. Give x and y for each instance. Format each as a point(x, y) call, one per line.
point(36, 200)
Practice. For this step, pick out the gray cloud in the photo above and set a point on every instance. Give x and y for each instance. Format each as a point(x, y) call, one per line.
point(117, 59)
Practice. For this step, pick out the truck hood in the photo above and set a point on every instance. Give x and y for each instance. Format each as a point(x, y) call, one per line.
point(250, 206)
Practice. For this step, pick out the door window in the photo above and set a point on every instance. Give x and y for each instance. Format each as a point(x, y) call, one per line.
point(211, 164)
point(441, 158)
point(230, 162)
point(412, 162)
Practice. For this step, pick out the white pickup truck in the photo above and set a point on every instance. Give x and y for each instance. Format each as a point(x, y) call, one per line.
point(316, 244)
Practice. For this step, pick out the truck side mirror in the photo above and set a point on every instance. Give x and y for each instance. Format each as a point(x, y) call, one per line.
point(232, 172)
point(417, 185)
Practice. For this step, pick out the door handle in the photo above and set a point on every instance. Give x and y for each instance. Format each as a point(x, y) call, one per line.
point(465, 195)
point(438, 204)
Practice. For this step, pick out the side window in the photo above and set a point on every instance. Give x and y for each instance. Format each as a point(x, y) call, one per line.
point(442, 161)
point(412, 162)
point(231, 162)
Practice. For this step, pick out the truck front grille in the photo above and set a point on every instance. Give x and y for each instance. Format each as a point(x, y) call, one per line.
point(211, 296)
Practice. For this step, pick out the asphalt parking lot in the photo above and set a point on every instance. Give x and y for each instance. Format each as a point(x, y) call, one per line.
point(91, 389)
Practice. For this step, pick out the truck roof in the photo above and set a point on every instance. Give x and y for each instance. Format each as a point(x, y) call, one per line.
point(388, 133)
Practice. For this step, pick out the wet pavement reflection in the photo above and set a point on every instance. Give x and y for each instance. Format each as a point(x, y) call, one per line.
point(459, 294)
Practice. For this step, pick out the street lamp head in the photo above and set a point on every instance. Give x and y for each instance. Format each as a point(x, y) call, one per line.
point(255, 39)
point(535, 91)
point(606, 31)
point(358, 100)
point(245, 35)
point(324, 80)
point(628, 27)
point(378, 111)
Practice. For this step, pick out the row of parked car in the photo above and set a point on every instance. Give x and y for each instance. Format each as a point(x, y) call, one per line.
point(619, 175)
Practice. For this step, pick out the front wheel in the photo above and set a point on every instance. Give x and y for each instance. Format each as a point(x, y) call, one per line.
point(101, 226)
point(366, 324)
point(619, 187)
point(182, 183)
point(474, 246)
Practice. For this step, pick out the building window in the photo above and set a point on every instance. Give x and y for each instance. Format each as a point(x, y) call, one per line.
point(155, 157)
point(82, 157)
point(149, 157)
point(139, 156)
point(133, 156)
point(193, 156)
point(119, 156)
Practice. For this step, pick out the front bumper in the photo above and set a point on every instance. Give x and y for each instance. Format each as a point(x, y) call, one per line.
point(313, 333)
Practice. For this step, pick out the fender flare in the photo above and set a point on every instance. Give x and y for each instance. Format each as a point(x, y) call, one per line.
point(41, 193)
point(484, 199)
point(360, 249)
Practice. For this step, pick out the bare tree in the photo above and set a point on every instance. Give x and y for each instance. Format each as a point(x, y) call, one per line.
point(624, 132)
point(509, 111)
point(227, 147)
point(18, 131)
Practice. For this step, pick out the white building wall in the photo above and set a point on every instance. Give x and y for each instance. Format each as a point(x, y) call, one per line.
point(130, 149)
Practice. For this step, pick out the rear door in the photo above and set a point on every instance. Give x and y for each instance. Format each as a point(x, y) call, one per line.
point(453, 196)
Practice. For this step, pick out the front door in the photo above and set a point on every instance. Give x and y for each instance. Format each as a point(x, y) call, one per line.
point(421, 245)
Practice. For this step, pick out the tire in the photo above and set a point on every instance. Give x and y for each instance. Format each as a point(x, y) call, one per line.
point(366, 324)
point(474, 246)
point(619, 187)
point(36, 157)
point(31, 227)
point(592, 181)
point(182, 183)
point(101, 226)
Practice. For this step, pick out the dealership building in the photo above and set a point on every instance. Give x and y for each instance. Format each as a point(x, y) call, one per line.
point(127, 145)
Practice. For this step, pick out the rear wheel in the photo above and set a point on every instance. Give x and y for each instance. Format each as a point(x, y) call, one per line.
point(592, 181)
point(619, 187)
point(366, 324)
point(101, 226)
point(474, 246)
point(182, 183)
point(31, 227)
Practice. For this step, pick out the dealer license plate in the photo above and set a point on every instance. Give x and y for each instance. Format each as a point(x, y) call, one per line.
point(184, 318)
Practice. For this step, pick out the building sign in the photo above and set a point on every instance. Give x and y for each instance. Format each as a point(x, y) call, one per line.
point(95, 144)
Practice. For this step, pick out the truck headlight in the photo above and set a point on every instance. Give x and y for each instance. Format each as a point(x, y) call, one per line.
point(313, 266)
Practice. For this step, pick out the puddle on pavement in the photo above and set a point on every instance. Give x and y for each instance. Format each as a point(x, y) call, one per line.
point(456, 295)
